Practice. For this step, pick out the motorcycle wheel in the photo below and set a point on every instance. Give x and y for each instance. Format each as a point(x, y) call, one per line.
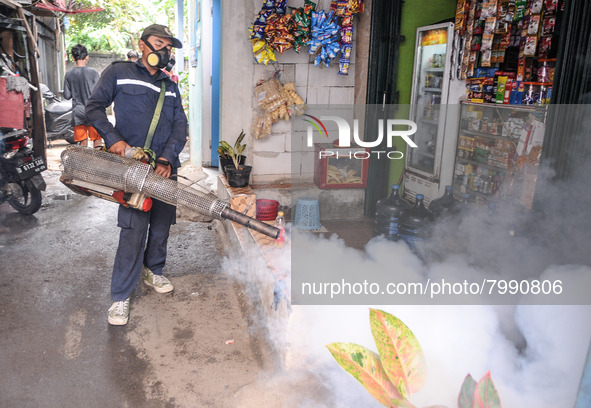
point(69, 137)
point(25, 197)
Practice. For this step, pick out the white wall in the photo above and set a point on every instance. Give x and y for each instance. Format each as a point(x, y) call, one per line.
point(272, 158)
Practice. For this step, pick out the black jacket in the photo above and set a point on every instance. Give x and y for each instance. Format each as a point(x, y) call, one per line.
point(134, 93)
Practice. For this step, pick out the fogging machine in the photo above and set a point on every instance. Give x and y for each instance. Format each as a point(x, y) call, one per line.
point(133, 183)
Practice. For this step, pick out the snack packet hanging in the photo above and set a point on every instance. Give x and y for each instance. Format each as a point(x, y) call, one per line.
point(324, 37)
point(278, 32)
point(280, 6)
point(259, 24)
point(347, 35)
point(343, 7)
point(302, 18)
point(344, 64)
point(339, 7)
point(263, 54)
point(346, 50)
point(258, 27)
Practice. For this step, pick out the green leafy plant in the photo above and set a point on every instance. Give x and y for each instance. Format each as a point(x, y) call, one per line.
point(227, 151)
point(184, 88)
point(119, 25)
point(400, 370)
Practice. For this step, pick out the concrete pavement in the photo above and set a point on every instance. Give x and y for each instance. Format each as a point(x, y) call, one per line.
point(57, 347)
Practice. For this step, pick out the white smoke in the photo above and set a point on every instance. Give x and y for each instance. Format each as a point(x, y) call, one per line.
point(461, 340)
point(535, 353)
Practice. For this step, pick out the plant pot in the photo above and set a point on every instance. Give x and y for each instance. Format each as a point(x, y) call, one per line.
point(228, 162)
point(238, 177)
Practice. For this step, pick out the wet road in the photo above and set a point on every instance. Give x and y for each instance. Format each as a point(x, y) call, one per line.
point(57, 349)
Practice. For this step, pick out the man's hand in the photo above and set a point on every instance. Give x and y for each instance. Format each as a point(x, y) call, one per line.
point(163, 169)
point(119, 148)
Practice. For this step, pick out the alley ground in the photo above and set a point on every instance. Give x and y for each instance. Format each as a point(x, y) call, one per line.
point(57, 347)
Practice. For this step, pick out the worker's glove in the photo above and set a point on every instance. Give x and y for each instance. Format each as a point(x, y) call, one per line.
point(143, 155)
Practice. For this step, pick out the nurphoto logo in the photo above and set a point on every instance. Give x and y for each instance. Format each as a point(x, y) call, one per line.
point(386, 130)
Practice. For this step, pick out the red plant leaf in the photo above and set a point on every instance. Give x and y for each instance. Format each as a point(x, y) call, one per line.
point(486, 395)
point(365, 366)
point(400, 352)
point(466, 397)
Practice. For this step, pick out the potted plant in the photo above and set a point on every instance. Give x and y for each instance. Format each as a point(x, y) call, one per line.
point(226, 153)
point(237, 173)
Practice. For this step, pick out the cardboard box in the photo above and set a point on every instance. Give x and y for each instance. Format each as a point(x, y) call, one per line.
point(244, 203)
point(242, 199)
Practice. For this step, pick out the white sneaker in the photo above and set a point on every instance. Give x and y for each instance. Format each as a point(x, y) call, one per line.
point(158, 282)
point(119, 313)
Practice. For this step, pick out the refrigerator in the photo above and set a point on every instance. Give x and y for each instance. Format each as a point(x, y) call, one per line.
point(434, 109)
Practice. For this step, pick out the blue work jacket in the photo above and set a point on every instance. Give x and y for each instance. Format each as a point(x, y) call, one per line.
point(135, 93)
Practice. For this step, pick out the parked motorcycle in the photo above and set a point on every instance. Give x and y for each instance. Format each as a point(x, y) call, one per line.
point(58, 116)
point(21, 182)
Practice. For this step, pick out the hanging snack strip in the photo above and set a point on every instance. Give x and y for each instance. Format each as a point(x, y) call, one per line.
point(278, 32)
point(488, 14)
point(324, 37)
point(326, 34)
point(258, 27)
point(346, 43)
point(263, 52)
point(301, 22)
point(275, 102)
point(494, 31)
point(345, 10)
point(549, 39)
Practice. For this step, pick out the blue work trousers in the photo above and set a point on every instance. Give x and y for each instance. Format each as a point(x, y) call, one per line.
point(133, 251)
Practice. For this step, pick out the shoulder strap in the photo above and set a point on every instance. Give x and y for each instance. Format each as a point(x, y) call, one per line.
point(156, 116)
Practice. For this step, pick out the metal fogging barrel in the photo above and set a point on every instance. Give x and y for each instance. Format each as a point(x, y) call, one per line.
point(132, 176)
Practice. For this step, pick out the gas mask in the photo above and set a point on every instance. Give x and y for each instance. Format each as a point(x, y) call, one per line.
point(159, 59)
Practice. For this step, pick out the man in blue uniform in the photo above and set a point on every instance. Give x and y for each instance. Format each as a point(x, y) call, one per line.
point(134, 88)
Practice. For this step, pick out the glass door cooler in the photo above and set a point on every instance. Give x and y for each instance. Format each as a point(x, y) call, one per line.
point(429, 110)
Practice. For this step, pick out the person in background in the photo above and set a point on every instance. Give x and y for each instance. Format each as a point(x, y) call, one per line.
point(135, 88)
point(78, 85)
point(132, 56)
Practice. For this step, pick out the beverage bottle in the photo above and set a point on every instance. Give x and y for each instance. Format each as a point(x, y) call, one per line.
point(444, 205)
point(491, 183)
point(494, 183)
point(477, 181)
point(280, 224)
point(388, 212)
point(415, 223)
